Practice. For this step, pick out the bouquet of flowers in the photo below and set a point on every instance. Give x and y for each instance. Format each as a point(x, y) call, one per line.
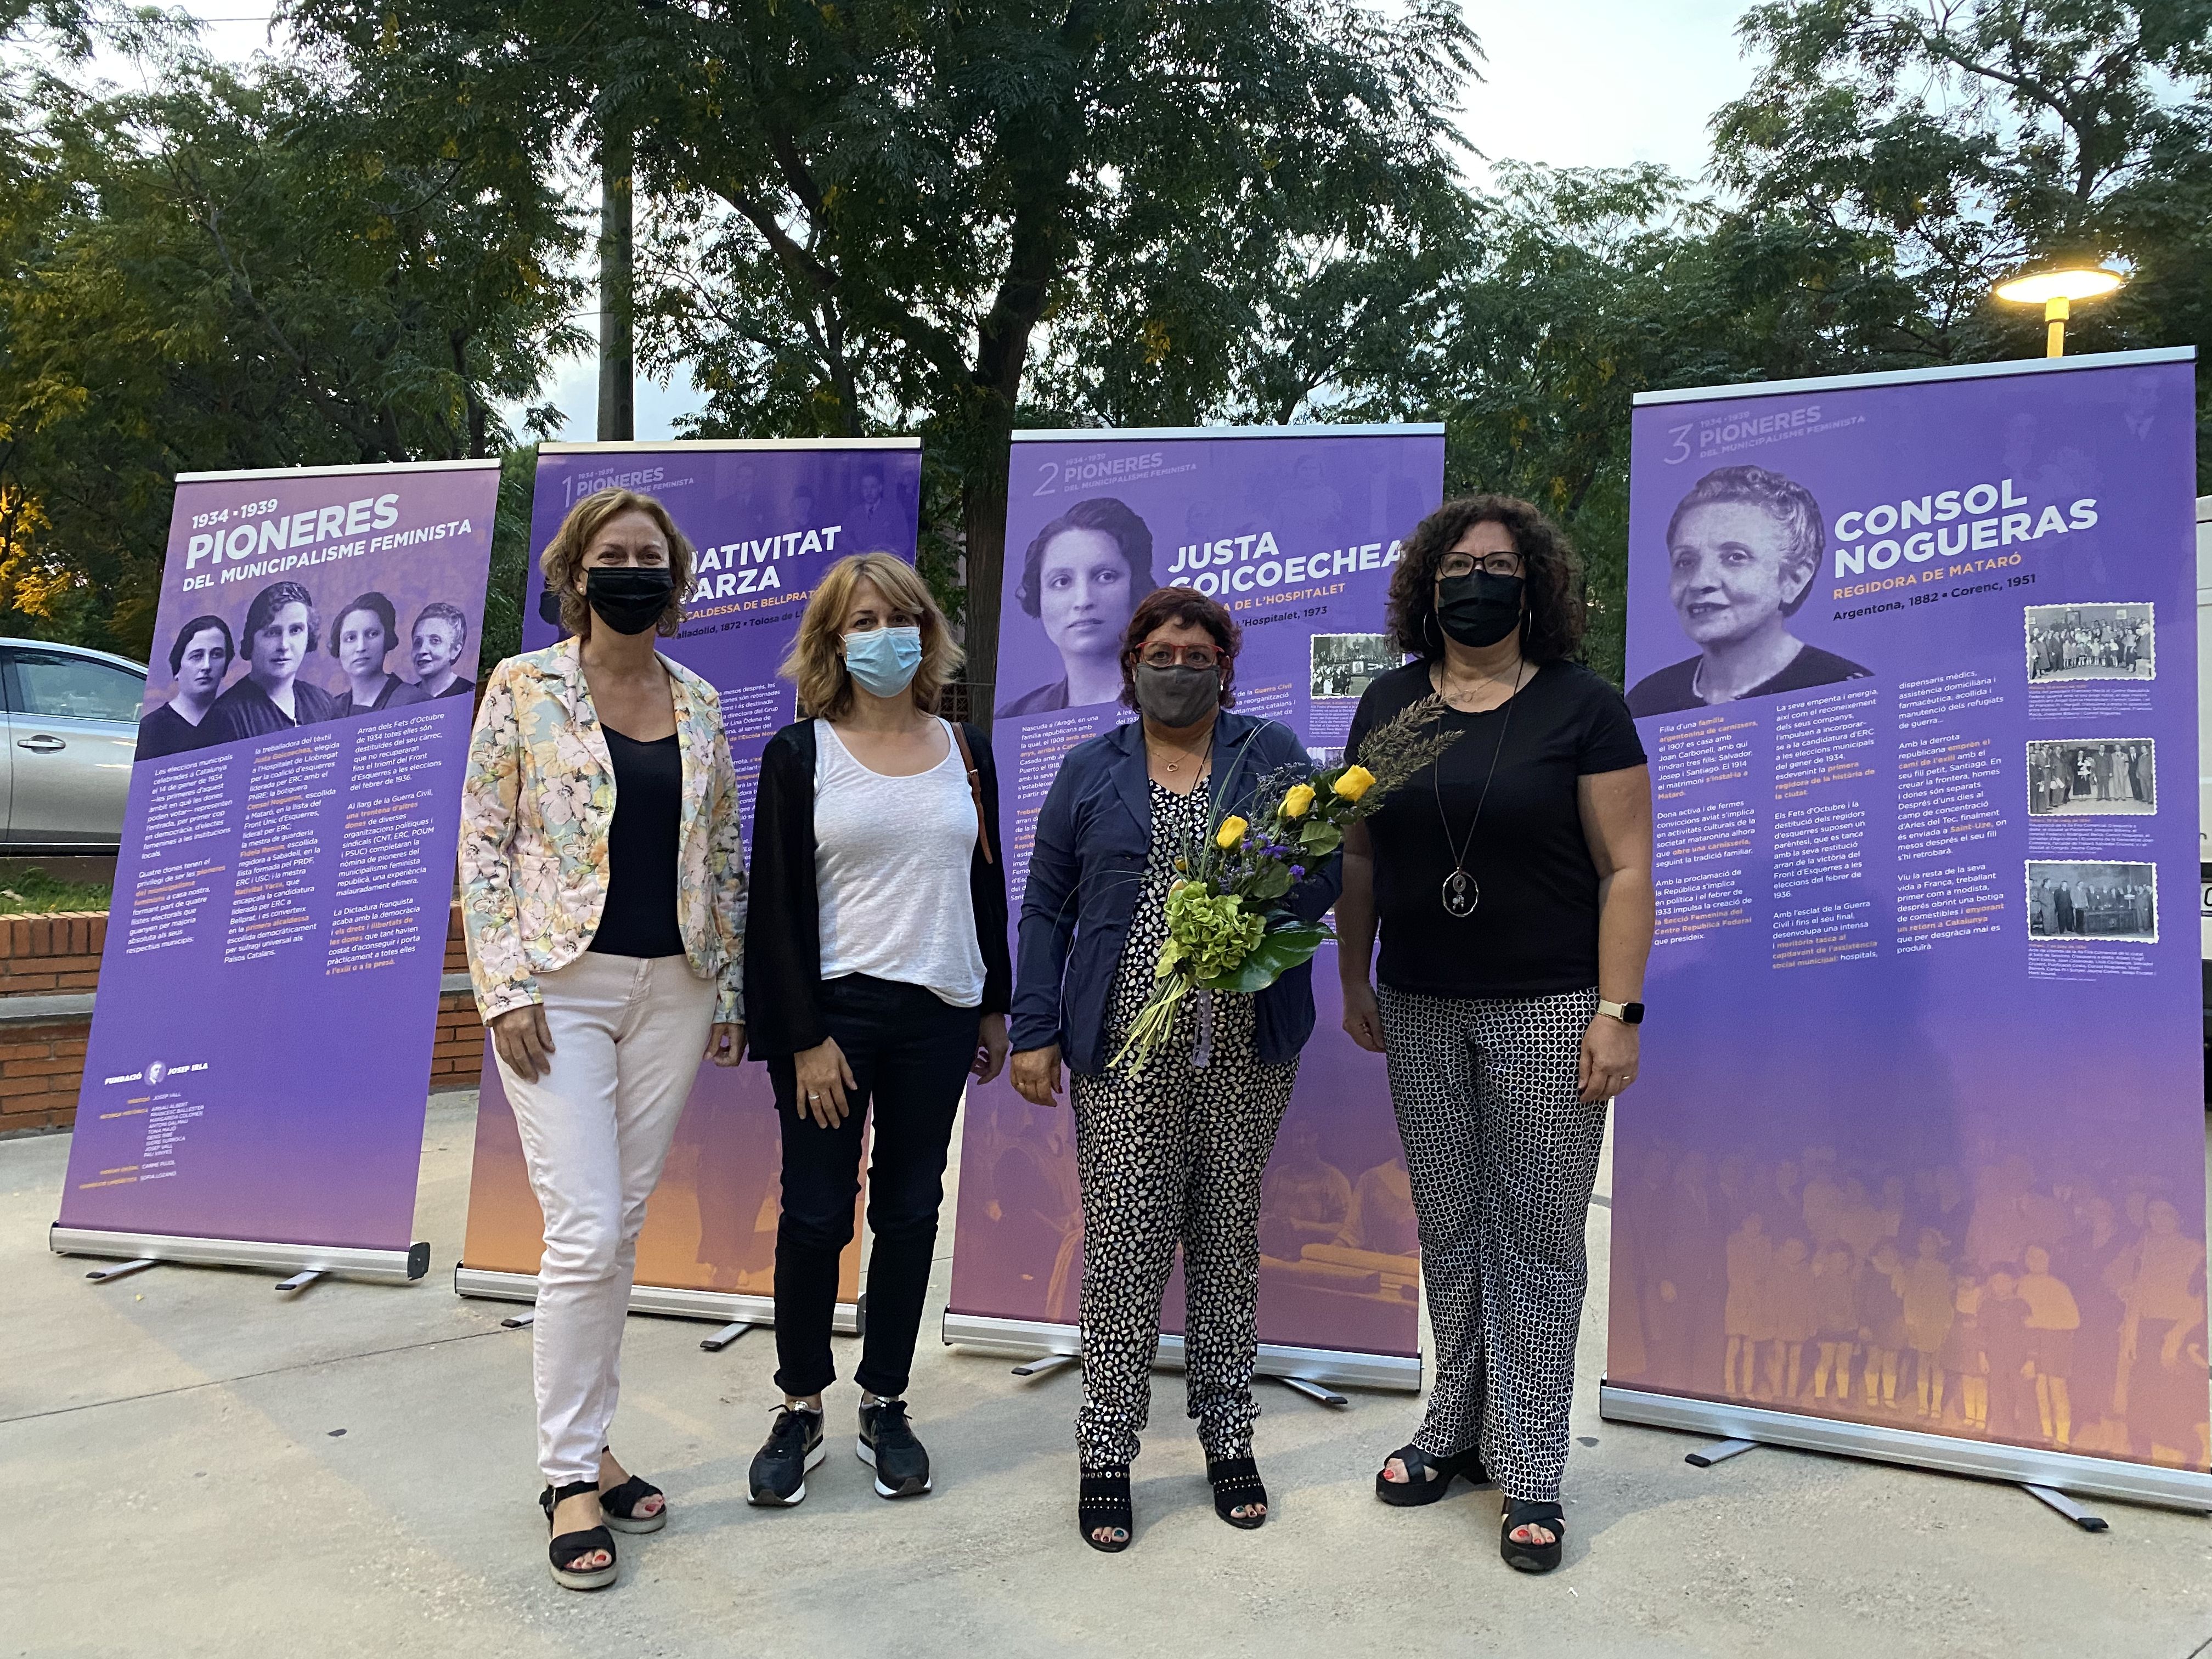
point(1228, 926)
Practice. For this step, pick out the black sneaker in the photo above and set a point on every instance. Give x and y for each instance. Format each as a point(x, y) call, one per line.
point(887, 1446)
point(793, 1446)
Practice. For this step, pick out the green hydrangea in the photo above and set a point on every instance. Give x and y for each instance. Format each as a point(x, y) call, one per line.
point(1210, 931)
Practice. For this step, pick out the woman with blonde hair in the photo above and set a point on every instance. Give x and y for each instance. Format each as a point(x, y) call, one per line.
point(603, 895)
point(877, 977)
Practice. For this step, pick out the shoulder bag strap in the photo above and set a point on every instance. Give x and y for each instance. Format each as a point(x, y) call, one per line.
point(975, 788)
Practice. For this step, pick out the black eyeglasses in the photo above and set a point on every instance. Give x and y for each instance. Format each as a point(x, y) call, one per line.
point(1465, 564)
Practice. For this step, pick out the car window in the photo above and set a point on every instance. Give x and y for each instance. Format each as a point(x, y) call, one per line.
point(49, 685)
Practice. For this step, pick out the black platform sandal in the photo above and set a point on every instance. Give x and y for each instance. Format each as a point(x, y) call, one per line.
point(572, 1545)
point(619, 1506)
point(1531, 1558)
point(1102, 1503)
point(1427, 1478)
point(1236, 1485)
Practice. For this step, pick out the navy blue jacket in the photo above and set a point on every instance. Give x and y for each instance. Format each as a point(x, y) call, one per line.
point(1087, 871)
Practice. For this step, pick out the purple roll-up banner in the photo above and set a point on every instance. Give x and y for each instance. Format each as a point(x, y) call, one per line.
point(767, 518)
point(1297, 530)
point(259, 1057)
point(1915, 1168)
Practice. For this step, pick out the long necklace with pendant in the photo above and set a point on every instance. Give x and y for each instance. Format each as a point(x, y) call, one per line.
point(1461, 892)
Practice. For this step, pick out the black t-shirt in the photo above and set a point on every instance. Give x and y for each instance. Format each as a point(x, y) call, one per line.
point(1535, 931)
point(639, 918)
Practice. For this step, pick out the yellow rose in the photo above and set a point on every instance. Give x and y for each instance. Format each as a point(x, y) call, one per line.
point(1298, 802)
point(1356, 781)
point(1231, 831)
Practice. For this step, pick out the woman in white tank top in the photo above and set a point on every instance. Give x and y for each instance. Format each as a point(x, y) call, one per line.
point(878, 979)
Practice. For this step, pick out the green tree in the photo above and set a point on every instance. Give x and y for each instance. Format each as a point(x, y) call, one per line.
point(888, 207)
point(1972, 139)
point(238, 268)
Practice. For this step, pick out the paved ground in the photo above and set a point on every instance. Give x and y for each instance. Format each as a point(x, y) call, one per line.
point(198, 1467)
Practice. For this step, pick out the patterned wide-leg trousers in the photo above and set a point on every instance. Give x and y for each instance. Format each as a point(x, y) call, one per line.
point(1173, 1154)
point(1503, 1155)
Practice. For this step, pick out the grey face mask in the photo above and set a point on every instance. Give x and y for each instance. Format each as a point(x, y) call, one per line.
point(1178, 696)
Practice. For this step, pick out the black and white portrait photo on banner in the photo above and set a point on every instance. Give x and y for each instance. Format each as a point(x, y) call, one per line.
point(2086, 777)
point(2091, 642)
point(2092, 900)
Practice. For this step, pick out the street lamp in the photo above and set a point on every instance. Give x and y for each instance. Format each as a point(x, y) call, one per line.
point(2056, 292)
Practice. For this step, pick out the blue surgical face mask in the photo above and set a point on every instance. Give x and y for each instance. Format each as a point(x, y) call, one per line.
point(883, 659)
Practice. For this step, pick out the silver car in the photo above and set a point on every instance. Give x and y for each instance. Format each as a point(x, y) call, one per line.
point(72, 717)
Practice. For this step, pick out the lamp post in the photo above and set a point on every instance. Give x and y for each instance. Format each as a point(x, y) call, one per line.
point(2056, 292)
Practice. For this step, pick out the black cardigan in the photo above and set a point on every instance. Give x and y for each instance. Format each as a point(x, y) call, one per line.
point(783, 918)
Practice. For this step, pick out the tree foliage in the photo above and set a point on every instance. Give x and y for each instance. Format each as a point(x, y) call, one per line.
point(233, 269)
point(1968, 140)
point(950, 217)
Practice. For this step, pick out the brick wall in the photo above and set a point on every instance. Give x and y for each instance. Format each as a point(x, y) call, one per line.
point(42, 1062)
point(457, 1060)
point(40, 1068)
point(58, 952)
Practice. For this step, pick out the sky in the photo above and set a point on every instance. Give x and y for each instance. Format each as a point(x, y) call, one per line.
point(1567, 82)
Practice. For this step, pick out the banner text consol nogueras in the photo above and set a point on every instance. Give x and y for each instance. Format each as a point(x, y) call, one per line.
point(1947, 523)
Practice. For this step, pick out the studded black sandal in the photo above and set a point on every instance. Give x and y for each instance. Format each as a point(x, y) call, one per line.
point(1427, 1477)
point(1101, 1505)
point(1531, 1558)
point(1236, 1485)
point(568, 1547)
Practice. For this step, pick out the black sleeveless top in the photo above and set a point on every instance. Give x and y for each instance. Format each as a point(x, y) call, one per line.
point(639, 918)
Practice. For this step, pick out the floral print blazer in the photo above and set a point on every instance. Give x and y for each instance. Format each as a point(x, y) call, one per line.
point(536, 808)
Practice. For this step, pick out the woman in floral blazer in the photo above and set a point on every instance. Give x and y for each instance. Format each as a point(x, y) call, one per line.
point(603, 894)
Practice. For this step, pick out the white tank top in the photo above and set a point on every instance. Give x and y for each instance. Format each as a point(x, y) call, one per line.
point(891, 861)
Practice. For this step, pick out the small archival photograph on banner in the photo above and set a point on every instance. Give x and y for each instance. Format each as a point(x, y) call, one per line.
point(2093, 777)
point(1343, 665)
point(2093, 901)
point(2092, 642)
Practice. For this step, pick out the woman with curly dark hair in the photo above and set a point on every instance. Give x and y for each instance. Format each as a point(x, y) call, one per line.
point(1512, 887)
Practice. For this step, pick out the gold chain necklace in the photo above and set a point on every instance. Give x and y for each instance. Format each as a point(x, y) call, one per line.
point(1175, 766)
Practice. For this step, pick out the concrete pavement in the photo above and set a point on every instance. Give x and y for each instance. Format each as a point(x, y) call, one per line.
point(198, 1466)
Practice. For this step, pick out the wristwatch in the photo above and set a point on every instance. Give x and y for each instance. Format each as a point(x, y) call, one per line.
point(1628, 1013)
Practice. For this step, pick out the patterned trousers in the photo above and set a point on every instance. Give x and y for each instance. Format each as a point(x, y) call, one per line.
point(1503, 1156)
point(1173, 1154)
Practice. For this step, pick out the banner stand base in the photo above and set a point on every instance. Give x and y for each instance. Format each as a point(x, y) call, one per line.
point(300, 1262)
point(1720, 1450)
point(1310, 1371)
point(2056, 1473)
point(2087, 1520)
point(736, 1313)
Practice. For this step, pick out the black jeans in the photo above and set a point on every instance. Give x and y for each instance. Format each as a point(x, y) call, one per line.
point(909, 1055)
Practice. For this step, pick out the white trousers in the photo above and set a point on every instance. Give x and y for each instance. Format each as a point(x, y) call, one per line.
point(628, 1036)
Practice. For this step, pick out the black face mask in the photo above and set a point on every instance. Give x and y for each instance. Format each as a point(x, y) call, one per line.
point(629, 599)
point(1479, 608)
point(1178, 696)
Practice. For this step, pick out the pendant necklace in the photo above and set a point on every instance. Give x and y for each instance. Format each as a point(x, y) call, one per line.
point(1461, 892)
point(1205, 747)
